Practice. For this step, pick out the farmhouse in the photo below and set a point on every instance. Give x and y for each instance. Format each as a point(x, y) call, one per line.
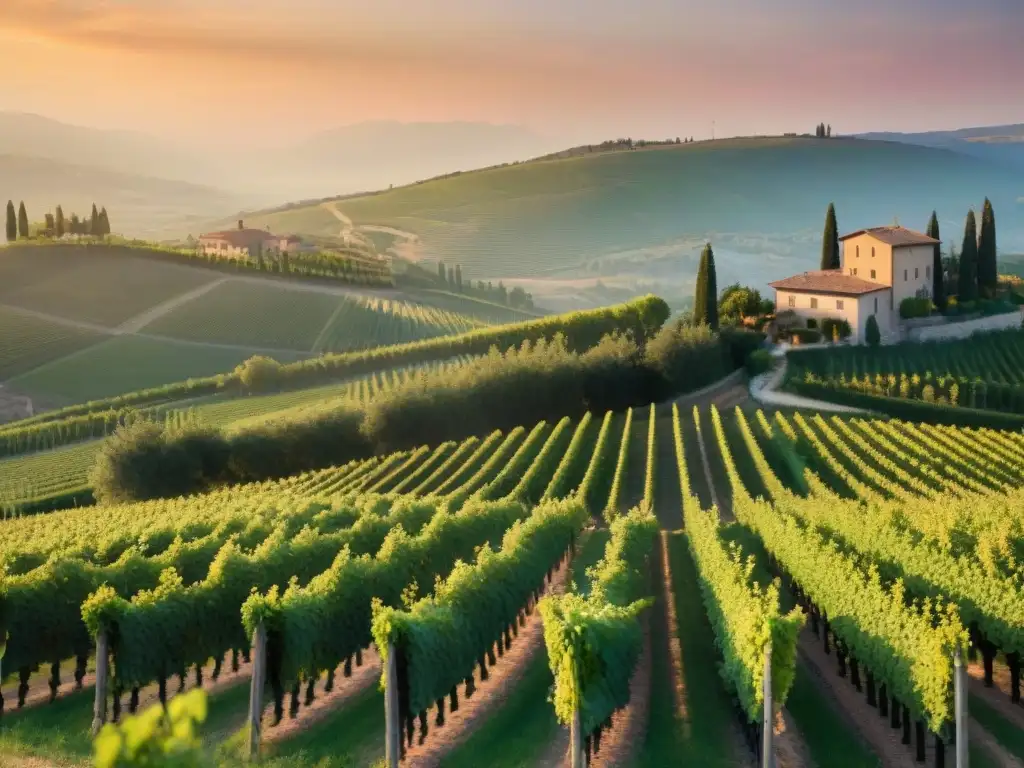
point(247, 243)
point(880, 267)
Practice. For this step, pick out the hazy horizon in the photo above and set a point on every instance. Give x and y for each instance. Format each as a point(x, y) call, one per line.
point(227, 73)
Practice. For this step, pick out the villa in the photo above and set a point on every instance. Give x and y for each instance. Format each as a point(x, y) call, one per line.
point(248, 243)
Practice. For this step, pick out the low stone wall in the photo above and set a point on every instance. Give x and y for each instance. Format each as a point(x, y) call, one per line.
point(961, 330)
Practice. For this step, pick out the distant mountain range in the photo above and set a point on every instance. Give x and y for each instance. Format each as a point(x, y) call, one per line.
point(1001, 144)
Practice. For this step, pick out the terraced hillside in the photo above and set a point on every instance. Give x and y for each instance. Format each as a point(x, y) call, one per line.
point(931, 506)
point(632, 218)
point(83, 323)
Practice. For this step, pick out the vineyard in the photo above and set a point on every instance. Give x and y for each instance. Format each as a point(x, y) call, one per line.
point(983, 372)
point(28, 342)
point(812, 545)
point(54, 477)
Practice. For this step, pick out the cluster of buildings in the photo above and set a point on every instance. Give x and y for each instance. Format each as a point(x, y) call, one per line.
point(880, 267)
point(245, 242)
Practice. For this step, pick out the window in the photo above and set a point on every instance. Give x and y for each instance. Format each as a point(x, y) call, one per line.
point(904, 275)
point(927, 271)
point(876, 304)
point(792, 301)
point(839, 303)
point(814, 303)
point(916, 275)
point(872, 251)
point(872, 274)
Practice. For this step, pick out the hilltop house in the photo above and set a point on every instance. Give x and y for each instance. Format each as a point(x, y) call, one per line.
point(880, 267)
point(247, 243)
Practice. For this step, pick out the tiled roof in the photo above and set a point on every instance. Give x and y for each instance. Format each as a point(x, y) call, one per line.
point(895, 236)
point(240, 237)
point(827, 281)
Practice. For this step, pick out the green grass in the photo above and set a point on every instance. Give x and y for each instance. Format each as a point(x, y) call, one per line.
point(43, 474)
point(1009, 736)
point(126, 363)
point(27, 342)
point(58, 732)
point(703, 734)
point(250, 314)
point(830, 741)
point(96, 285)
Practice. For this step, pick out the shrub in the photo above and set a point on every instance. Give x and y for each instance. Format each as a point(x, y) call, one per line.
point(759, 361)
point(812, 323)
point(914, 306)
point(259, 374)
point(805, 336)
point(872, 335)
point(739, 343)
point(832, 327)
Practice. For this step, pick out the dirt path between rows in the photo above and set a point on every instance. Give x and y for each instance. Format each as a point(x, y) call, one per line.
point(852, 705)
point(490, 693)
point(997, 697)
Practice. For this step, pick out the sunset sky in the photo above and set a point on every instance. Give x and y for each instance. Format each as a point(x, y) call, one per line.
point(269, 71)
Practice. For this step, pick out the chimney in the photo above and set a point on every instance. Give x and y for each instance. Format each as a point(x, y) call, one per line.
point(240, 224)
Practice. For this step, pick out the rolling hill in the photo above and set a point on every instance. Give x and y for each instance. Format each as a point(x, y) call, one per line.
point(997, 143)
point(632, 220)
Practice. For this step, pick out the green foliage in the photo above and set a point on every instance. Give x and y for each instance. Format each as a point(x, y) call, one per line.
point(988, 270)
point(759, 361)
point(738, 301)
point(598, 477)
point(967, 287)
point(831, 328)
point(593, 643)
point(440, 640)
point(575, 458)
point(259, 374)
point(915, 307)
point(12, 222)
point(938, 271)
point(805, 336)
point(612, 506)
point(872, 334)
point(705, 303)
point(156, 737)
point(830, 240)
point(22, 221)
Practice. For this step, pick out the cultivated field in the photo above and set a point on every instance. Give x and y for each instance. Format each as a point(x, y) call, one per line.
point(27, 342)
point(900, 497)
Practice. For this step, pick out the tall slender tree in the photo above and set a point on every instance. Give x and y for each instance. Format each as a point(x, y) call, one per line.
point(60, 225)
point(451, 277)
point(988, 270)
point(938, 285)
point(22, 221)
point(967, 285)
point(12, 222)
point(441, 275)
point(104, 222)
point(830, 240)
point(94, 221)
point(705, 300)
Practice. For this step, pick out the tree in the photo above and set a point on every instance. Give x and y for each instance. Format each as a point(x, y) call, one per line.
point(705, 301)
point(75, 226)
point(451, 277)
point(738, 301)
point(967, 288)
point(988, 270)
point(22, 221)
point(828, 131)
point(938, 286)
point(830, 240)
point(49, 224)
point(12, 222)
point(104, 222)
point(458, 278)
point(60, 225)
point(94, 221)
point(441, 272)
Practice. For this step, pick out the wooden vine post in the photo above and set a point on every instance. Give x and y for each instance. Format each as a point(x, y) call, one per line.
point(392, 721)
point(768, 718)
point(960, 709)
point(99, 708)
point(256, 684)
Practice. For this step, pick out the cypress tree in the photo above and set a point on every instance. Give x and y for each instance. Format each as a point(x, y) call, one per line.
point(441, 272)
point(451, 277)
point(967, 288)
point(94, 221)
point(458, 278)
point(705, 300)
point(12, 222)
point(22, 221)
point(938, 286)
point(104, 222)
point(988, 271)
point(60, 226)
point(830, 240)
